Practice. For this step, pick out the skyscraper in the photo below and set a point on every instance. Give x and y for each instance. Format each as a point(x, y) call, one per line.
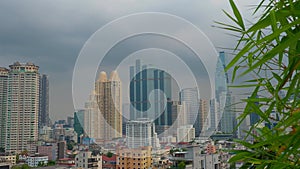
point(214, 115)
point(202, 117)
point(92, 118)
point(44, 101)
point(109, 100)
point(190, 97)
point(22, 107)
point(79, 123)
point(3, 104)
point(150, 94)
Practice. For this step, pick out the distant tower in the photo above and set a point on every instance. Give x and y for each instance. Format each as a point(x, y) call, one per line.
point(109, 100)
point(190, 97)
point(44, 101)
point(23, 106)
point(3, 104)
point(202, 117)
point(144, 80)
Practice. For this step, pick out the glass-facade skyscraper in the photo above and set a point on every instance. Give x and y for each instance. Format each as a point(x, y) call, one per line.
point(150, 94)
point(44, 101)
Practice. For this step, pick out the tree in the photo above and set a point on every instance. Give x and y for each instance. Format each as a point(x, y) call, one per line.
point(51, 163)
point(181, 165)
point(109, 154)
point(268, 50)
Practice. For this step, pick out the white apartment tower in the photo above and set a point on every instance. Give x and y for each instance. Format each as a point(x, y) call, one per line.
point(109, 100)
point(3, 105)
point(22, 107)
point(140, 133)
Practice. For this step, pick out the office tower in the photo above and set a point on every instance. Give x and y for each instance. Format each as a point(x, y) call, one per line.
point(202, 118)
point(221, 77)
point(3, 104)
point(150, 94)
point(185, 133)
point(79, 123)
point(109, 100)
point(44, 101)
point(141, 132)
point(92, 120)
point(190, 97)
point(23, 106)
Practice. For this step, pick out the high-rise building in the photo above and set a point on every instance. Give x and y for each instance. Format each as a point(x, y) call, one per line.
point(202, 118)
point(214, 115)
point(22, 107)
point(228, 119)
point(185, 133)
point(44, 101)
point(179, 116)
point(3, 105)
point(109, 100)
point(79, 123)
point(150, 94)
point(141, 132)
point(224, 97)
point(92, 120)
point(190, 97)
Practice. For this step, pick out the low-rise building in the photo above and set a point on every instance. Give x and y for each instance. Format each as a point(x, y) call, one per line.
point(109, 162)
point(11, 159)
point(49, 149)
point(134, 158)
point(37, 160)
point(86, 160)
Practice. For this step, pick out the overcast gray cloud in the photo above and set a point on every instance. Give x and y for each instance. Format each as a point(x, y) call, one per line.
point(51, 33)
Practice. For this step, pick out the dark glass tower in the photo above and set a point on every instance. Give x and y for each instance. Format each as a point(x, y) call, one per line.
point(44, 101)
point(150, 94)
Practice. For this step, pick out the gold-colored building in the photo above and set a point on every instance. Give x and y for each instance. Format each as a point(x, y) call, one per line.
point(138, 158)
point(109, 100)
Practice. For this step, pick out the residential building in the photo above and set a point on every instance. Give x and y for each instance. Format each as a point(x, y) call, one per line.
point(3, 104)
point(140, 133)
point(37, 160)
point(109, 99)
point(61, 150)
point(201, 124)
point(49, 149)
point(22, 107)
point(11, 159)
point(93, 120)
point(109, 162)
point(86, 160)
point(134, 158)
point(185, 133)
point(179, 115)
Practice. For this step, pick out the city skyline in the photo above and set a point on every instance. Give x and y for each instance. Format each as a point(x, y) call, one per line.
point(39, 36)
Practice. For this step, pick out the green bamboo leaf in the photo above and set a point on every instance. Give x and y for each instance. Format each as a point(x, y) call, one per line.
point(237, 14)
point(273, 52)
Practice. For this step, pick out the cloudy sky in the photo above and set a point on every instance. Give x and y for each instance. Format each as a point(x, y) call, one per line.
point(51, 33)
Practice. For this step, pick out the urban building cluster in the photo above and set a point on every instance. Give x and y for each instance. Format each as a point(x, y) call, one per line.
point(179, 128)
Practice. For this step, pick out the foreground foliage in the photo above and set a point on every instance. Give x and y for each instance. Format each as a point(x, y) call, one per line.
point(268, 51)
